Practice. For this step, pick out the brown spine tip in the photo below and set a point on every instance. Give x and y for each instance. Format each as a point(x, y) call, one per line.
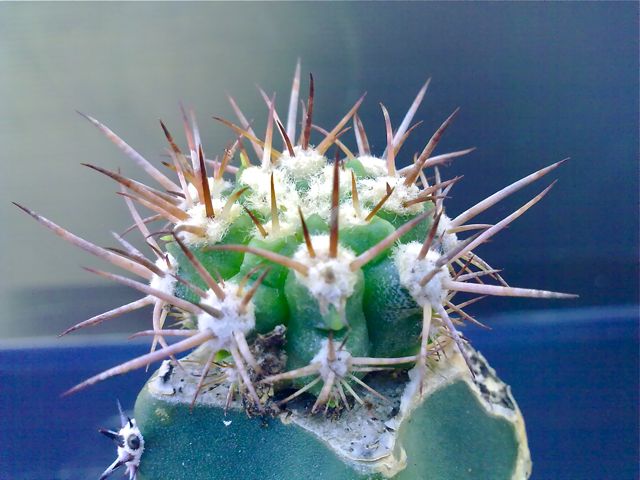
point(204, 182)
point(285, 138)
point(309, 115)
point(116, 312)
point(144, 288)
point(256, 222)
point(354, 195)
point(412, 175)
point(391, 165)
point(361, 136)
point(335, 209)
point(275, 221)
point(172, 143)
point(305, 233)
point(432, 233)
point(379, 205)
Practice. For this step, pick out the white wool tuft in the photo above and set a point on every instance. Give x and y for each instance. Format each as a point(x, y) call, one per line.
point(232, 320)
point(449, 240)
point(167, 283)
point(340, 365)
point(259, 180)
point(372, 190)
point(318, 196)
point(330, 280)
point(374, 166)
point(303, 164)
point(349, 217)
point(412, 270)
point(215, 228)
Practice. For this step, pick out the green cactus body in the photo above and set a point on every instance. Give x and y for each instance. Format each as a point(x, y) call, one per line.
point(226, 263)
point(394, 318)
point(271, 308)
point(416, 235)
point(361, 238)
point(300, 280)
point(277, 273)
point(305, 338)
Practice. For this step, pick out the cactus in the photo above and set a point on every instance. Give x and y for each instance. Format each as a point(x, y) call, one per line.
point(306, 285)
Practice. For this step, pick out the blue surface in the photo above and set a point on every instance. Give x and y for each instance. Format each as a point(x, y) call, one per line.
point(44, 436)
point(574, 374)
point(575, 378)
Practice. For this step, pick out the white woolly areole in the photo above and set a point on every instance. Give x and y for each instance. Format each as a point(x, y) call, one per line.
point(349, 216)
point(449, 240)
point(129, 433)
point(303, 164)
point(258, 179)
point(374, 166)
point(340, 365)
point(411, 271)
point(161, 381)
point(371, 191)
point(167, 283)
point(329, 280)
point(232, 319)
point(215, 228)
point(318, 197)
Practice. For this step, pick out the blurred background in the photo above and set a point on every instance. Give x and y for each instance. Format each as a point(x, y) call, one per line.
point(536, 82)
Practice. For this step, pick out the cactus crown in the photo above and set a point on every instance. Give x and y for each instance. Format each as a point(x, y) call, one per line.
point(353, 255)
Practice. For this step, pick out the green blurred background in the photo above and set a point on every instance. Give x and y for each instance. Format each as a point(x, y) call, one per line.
point(536, 82)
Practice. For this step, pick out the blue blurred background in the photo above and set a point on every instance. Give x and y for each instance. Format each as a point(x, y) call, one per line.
point(537, 82)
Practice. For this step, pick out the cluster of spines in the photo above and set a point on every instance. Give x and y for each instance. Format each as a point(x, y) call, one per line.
point(217, 308)
point(130, 446)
